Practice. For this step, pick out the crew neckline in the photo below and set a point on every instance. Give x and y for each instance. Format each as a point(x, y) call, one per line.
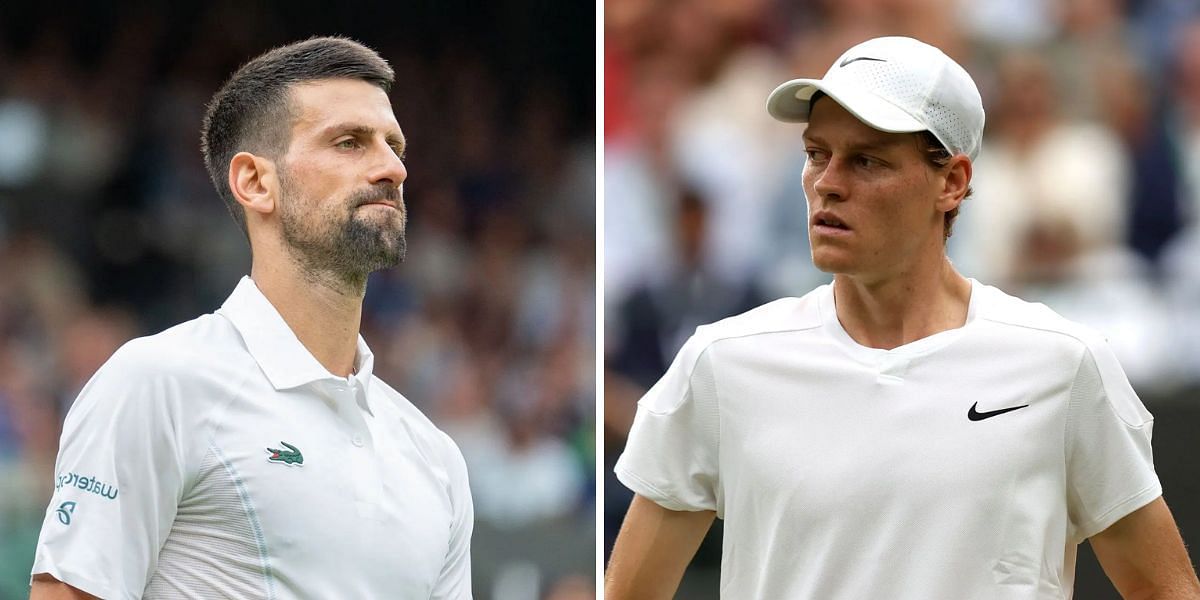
point(920, 347)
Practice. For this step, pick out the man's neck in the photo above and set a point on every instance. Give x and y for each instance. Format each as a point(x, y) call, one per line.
point(891, 312)
point(324, 315)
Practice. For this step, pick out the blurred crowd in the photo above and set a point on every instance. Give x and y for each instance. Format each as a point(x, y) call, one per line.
point(1086, 193)
point(110, 229)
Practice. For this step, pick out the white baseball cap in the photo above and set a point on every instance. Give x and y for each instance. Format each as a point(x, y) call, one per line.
point(898, 85)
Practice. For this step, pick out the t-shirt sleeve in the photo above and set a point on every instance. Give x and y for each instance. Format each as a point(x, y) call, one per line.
point(671, 456)
point(454, 581)
point(1110, 468)
point(118, 479)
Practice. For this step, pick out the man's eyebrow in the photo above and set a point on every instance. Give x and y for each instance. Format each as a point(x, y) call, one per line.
point(874, 144)
point(393, 139)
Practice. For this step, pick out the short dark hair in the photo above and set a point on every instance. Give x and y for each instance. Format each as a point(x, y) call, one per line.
point(251, 111)
point(938, 157)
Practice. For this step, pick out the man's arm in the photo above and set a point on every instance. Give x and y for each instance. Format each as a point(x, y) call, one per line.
point(653, 550)
point(454, 581)
point(46, 587)
point(1144, 556)
point(120, 471)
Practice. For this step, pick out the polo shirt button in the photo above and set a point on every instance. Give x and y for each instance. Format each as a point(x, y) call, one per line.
point(357, 440)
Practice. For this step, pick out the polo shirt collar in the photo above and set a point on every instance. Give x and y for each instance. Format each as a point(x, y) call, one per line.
point(276, 349)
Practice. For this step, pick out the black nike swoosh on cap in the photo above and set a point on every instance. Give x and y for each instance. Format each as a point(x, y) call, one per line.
point(856, 59)
point(975, 415)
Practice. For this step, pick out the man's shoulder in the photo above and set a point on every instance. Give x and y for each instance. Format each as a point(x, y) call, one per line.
point(1036, 321)
point(417, 422)
point(778, 316)
point(169, 377)
point(782, 316)
point(188, 349)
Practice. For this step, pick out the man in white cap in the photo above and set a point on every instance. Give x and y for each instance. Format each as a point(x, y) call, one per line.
point(904, 432)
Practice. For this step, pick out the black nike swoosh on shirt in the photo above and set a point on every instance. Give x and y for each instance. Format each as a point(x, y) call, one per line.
point(975, 415)
point(856, 59)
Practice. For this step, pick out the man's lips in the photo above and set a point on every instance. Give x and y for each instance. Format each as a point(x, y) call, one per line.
point(826, 222)
point(380, 194)
point(389, 204)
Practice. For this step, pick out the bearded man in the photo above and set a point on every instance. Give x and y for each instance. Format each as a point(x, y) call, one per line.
point(251, 453)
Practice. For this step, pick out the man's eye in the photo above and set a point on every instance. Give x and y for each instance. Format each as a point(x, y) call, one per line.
point(348, 143)
point(815, 155)
point(866, 161)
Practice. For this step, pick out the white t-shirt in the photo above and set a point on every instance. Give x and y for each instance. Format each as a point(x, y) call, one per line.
point(219, 459)
point(968, 464)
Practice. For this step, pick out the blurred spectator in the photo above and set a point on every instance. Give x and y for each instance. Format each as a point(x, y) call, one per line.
point(1008, 22)
point(1184, 112)
point(650, 324)
point(659, 316)
point(1129, 107)
point(1181, 266)
point(1035, 166)
point(639, 180)
point(1090, 33)
point(723, 118)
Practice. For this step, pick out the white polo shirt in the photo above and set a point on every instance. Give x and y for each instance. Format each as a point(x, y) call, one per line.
point(968, 464)
point(220, 459)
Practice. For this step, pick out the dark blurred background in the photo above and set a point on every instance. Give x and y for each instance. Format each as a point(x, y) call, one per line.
point(110, 229)
point(1087, 190)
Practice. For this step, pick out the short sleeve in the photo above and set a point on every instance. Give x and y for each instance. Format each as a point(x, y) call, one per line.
point(454, 581)
point(1110, 468)
point(671, 456)
point(118, 480)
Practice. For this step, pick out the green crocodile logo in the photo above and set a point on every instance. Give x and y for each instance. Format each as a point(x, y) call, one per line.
point(291, 456)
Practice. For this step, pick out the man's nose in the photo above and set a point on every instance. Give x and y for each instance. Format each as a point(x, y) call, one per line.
point(389, 169)
point(831, 181)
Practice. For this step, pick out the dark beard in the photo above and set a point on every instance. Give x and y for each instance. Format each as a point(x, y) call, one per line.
point(354, 250)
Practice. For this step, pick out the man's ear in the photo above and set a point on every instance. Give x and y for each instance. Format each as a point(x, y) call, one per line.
point(957, 182)
point(254, 182)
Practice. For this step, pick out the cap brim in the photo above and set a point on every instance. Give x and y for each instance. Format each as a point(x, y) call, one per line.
point(790, 103)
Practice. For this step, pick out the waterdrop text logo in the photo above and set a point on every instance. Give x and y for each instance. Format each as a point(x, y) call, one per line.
point(87, 484)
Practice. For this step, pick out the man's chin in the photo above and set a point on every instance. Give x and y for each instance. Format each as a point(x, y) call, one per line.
point(831, 262)
point(381, 245)
point(382, 260)
point(390, 255)
point(352, 261)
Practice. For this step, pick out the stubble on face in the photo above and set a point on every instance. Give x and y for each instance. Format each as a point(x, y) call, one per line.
point(342, 242)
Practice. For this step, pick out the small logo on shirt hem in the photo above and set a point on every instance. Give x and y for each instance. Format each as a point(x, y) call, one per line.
point(291, 456)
